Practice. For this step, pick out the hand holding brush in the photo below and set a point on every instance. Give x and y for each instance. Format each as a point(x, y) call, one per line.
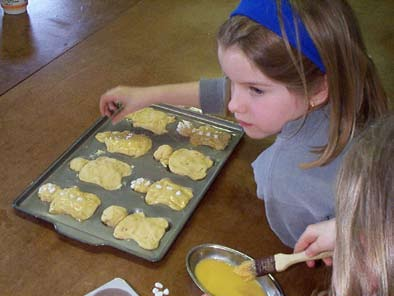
point(250, 269)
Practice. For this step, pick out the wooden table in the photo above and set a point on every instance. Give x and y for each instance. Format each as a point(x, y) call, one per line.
point(41, 116)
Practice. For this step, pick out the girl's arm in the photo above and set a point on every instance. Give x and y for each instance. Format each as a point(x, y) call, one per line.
point(134, 98)
point(317, 238)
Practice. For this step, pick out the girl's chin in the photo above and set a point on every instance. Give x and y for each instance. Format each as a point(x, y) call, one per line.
point(255, 134)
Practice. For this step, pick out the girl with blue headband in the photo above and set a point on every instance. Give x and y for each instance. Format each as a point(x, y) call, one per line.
point(295, 69)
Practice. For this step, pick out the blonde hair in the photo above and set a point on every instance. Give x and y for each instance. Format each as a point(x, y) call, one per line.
point(364, 252)
point(356, 95)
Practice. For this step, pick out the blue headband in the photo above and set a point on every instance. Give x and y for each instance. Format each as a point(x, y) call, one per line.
point(265, 12)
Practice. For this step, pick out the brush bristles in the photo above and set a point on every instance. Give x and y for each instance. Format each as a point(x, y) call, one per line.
point(265, 266)
point(246, 270)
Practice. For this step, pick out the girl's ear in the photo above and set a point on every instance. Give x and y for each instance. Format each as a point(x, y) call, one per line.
point(320, 96)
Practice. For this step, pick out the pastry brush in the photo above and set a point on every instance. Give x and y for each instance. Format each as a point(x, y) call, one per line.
point(250, 269)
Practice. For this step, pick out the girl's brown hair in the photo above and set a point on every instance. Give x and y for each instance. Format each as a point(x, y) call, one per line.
point(364, 252)
point(356, 95)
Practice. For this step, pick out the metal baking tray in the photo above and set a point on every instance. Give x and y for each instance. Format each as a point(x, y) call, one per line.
point(92, 231)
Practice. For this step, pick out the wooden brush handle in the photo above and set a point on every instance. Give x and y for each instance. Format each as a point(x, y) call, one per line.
point(283, 261)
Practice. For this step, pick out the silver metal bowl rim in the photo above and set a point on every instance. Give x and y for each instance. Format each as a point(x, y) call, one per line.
point(216, 246)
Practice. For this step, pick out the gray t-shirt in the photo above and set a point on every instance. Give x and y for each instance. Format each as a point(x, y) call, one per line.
point(294, 197)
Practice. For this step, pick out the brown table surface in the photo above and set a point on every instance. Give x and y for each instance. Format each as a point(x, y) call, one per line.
point(45, 113)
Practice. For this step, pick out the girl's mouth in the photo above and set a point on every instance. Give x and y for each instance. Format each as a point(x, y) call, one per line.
point(244, 124)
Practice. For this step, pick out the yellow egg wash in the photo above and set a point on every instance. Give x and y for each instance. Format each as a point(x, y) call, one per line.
point(219, 279)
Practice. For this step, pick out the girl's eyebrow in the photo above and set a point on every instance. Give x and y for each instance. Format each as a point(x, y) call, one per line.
point(259, 83)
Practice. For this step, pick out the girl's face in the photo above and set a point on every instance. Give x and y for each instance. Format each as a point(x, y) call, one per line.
point(261, 106)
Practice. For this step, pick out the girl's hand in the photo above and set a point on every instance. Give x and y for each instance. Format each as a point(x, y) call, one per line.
point(317, 238)
point(133, 98)
point(130, 98)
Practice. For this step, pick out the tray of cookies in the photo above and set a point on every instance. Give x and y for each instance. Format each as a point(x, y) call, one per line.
point(133, 185)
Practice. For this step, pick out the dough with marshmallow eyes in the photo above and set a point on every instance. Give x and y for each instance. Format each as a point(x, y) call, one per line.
point(70, 201)
point(204, 135)
point(168, 193)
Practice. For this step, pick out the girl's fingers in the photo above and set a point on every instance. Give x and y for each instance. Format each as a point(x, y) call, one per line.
point(328, 261)
point(313, 249)
point(118, 117)
point(112, 106)
point(104, 106)
point(310, 263)
point(108, 106)
point(305, 240)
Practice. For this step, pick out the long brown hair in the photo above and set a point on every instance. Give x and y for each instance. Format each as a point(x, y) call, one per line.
point(364, 252)
point(356, 95)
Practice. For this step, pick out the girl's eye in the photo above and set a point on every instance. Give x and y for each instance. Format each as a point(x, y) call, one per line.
point(256, 90)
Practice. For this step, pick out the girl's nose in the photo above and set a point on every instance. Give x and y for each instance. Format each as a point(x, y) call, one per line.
point(236, 104)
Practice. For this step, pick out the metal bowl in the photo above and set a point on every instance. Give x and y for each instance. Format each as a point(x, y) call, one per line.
point(268, 283)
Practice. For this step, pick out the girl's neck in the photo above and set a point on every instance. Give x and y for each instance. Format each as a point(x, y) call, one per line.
point(306, 124)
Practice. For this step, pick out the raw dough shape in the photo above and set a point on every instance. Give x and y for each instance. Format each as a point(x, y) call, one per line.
point(140, 185)
point(125, 142)
point(104, 171)
point(146, 231)
point(191, 163)
point(184, 128)
point(112, 215)
point(70, 201)
point(168, 193)
point(47, 191)
point(163, 154)
point(204, 135)
point(210, 136)
point(78, 163)
point(151, 119)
